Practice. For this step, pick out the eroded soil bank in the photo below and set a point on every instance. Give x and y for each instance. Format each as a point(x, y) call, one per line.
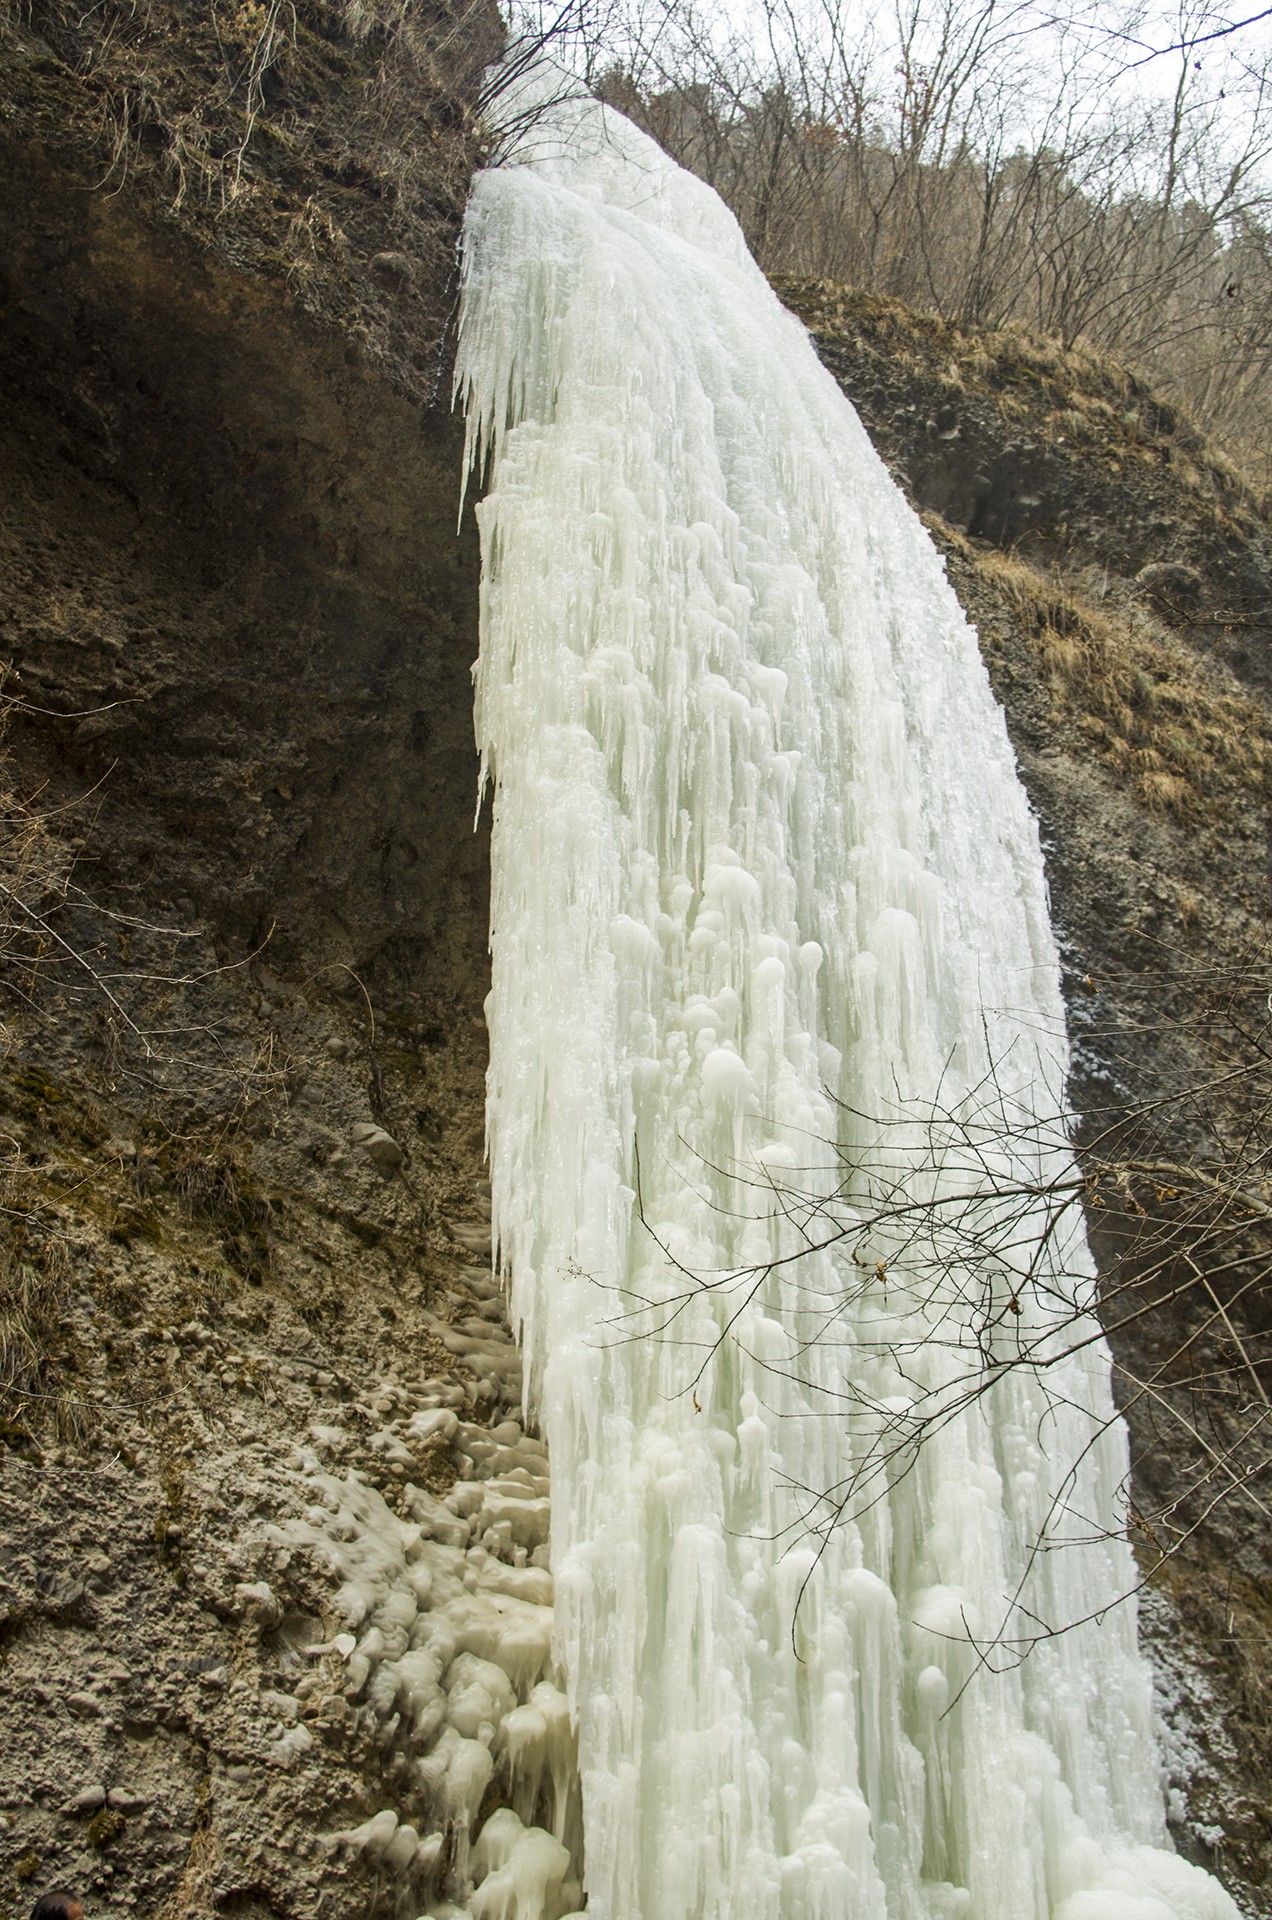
point(244, 964)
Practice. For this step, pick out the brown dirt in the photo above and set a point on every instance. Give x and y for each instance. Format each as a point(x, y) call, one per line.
point(239, 625)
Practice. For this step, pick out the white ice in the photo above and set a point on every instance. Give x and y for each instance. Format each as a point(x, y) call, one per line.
point(777, 1065)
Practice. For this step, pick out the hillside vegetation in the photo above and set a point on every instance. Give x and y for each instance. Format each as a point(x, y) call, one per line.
point(326, 146)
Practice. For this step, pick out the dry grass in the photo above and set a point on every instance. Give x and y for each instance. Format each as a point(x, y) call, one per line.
point(35, 870)
point(193, 1892)
point(326, 143)
point(1075, 394)
point(217, 98)
point(215, 1187)
point(1145, 703)
point(975, 358)
point(36, 1353)
point(1146, 699)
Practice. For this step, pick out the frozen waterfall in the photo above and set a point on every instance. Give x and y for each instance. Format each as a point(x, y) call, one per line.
point(777, 1057)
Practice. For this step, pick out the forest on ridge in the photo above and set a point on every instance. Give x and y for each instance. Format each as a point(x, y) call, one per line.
point(1088, 174)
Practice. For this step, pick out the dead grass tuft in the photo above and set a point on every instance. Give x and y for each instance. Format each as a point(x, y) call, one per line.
point(35, 869)
point(36, 1355)
point(1147, 706)
point(214, 1185)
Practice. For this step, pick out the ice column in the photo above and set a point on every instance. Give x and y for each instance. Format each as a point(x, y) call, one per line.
point(776, 1058)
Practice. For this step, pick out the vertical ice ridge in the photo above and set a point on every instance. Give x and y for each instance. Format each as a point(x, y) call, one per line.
point(765, 895)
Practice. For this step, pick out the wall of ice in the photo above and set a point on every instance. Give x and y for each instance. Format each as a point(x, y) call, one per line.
point(777, 1059)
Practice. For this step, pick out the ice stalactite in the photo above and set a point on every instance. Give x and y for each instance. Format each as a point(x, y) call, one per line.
point(777, 1060)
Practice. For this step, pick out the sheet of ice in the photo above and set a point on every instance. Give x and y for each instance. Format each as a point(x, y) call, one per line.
point(775, 1003)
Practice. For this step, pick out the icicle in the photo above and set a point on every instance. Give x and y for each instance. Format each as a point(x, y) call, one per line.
point(777, 1060)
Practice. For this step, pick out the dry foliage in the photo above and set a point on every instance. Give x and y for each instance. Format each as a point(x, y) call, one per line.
point(219, 98)
point(35, 874)
point(37, 1394)
point(1143, 700)
point(1079, 396)
point(327, 142)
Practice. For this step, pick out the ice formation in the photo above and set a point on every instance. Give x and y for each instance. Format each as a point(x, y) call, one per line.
point(777, 1050)
point(446, 1664)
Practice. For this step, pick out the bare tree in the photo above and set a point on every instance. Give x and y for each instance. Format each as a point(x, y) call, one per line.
point(991, 161)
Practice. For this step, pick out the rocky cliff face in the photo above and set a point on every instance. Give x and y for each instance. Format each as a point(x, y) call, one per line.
point(244, 966)
point(243, 955)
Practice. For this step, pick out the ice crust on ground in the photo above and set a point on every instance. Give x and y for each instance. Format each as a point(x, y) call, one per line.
point(777, 1060)
point(444, 1660)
